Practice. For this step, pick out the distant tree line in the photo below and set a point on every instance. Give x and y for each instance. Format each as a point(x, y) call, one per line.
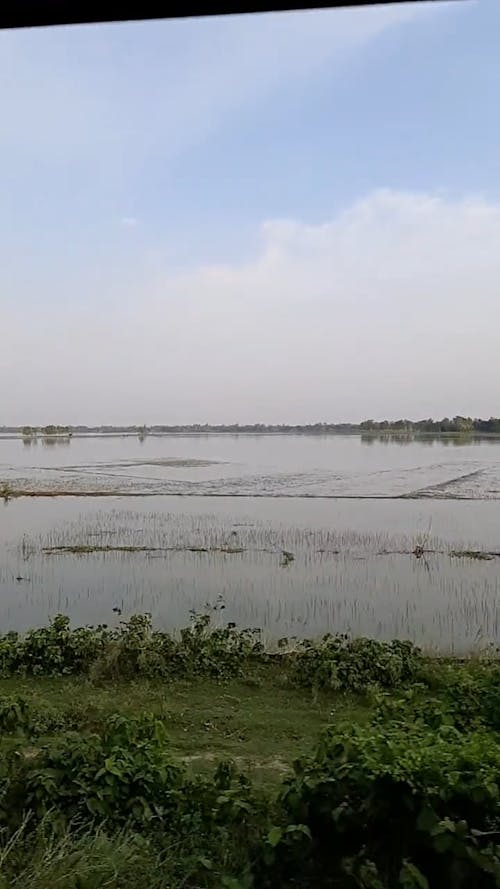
point(457, 424)
point(233, 428)
point(446, 425)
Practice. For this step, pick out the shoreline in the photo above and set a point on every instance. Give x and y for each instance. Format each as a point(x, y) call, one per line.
point(17, 494)
point(361, 433)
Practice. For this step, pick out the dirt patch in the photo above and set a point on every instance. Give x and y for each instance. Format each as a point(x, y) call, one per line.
point(275, 764)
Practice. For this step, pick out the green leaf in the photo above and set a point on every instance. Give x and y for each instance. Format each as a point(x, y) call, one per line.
point(94, 806)
point(299, 828)
point(274, 836)
point(206, 863)
point(427, 819)
point(410, 877)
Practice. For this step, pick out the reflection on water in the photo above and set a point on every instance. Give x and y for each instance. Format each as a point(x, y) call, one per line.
point(350, 511)
point(353, 567)
point(458, 440)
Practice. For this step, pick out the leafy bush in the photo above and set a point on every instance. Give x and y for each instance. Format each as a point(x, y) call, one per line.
point(133, 649)
point(9, 653)
point(201, 649)
point(123, 775)
point(52, 651)
point(391, 806)
point(125, 779)
point(16, 716)
point(344, 664)
point(204, 650)
point(473, 697)
point(23, 716)
point(467, 699)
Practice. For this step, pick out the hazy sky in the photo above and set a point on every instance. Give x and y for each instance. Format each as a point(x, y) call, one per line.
point(278, 218)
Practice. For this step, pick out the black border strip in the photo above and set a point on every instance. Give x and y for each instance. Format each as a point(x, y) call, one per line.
point(36, 13)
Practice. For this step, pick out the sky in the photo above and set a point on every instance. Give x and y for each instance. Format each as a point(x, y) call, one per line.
point(288, 217)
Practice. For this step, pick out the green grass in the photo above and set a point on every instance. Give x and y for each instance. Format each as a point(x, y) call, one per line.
point(260, 724)
point(263, 723)
point(114, 749)
point(87, 860)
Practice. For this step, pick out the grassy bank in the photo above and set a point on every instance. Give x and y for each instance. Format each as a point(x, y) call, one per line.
point(263, 726)
point(132, 758)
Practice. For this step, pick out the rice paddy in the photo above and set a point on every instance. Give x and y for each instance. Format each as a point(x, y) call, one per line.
point(395, 565)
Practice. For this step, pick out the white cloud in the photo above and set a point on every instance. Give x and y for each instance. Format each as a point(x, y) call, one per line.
point(391, 308)
point(128, 221)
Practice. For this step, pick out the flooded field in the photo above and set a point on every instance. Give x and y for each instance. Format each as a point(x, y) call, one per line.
point(299, 535)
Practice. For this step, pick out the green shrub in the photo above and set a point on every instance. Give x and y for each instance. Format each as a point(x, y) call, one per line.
point(201, 649)
point(123, 775)
point(134, 649)
point(473, 697)
point(466, 698)
point(22, 716)
point(52, 651)
point(15, 715)
point(355, 665)
point(9, 653)
point(204, 650)
point(390, 806)
point(131, 650)
point(202, 828)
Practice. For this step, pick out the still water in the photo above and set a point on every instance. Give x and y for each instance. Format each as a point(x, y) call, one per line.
point(299, 535)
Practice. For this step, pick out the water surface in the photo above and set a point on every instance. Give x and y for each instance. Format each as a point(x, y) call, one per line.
point(225, 509)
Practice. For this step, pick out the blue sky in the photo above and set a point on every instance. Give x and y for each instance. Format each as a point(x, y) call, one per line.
point(144, 163)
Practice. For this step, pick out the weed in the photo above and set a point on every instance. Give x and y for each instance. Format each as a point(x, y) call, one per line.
point(6, 492)
point(354, 665)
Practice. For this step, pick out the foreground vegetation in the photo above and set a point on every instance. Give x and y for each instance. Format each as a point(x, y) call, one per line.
point(131, 758)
